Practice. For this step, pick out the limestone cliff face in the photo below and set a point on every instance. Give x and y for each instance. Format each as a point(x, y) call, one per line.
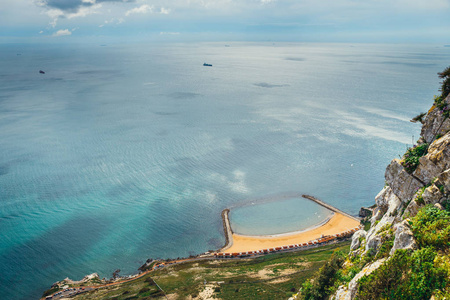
point(404, 194)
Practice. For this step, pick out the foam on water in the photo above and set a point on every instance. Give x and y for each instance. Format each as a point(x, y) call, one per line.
point(126, 152)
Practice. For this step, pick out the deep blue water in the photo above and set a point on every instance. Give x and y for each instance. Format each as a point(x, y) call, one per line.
point(126, 152)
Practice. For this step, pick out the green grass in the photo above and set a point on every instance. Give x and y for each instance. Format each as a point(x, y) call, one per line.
point(274, 276)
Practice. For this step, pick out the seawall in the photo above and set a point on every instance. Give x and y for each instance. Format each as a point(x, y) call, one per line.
point(227, 230)
point(328, 206)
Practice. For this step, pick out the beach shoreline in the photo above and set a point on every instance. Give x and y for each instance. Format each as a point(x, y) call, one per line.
point(334, 226)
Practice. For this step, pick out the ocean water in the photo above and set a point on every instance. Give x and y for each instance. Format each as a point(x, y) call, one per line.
point(121, 153)
point(279, 215)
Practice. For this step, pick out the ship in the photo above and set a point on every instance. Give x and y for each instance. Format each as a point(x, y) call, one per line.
point(207, 65)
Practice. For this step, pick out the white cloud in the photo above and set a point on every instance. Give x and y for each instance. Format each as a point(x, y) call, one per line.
point(164, 11)
point(143, 9)
point(84, 11)
point(62, 32)
point(54, 14)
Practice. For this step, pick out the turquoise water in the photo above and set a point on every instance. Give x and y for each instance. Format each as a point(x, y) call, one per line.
point(126, 152)
point(278, 216)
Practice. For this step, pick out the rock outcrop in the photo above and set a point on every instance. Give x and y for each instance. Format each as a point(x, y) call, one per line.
point(404, 238)
point(349, 292)
point(435, 123)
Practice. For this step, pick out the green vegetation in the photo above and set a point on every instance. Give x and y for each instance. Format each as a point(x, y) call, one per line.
point(439, 102)
point(387, 241)
point(410, 160)
point(274, 276)
point(366, 224)
point(405, 276)
point(415, 274)
point(324, 281)
point(418, 118)
point(445, 84)
point(431, 228)
point(419, 198)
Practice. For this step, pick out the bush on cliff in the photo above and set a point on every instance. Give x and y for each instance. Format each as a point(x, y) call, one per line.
point(445, 88)
point(405, 275)
point(431, 228)
point(323, 282)
point(410, 160)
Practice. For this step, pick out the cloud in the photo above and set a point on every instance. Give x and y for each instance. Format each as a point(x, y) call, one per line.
point(143, 9)
point(74, 6)
point(62, 32)
point(55, 14)
point(70, 9)
point(164, 11)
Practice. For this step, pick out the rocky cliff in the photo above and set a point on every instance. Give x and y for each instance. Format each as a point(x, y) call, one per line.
point(421, 178)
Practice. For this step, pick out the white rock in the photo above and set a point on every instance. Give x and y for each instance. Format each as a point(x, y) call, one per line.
point(349, 292)
point(401, 182)
point(404, 238)
point(432, 195)
point(356, 239)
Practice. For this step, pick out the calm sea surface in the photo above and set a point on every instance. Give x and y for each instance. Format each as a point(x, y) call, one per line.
point(125, 152)
point(280, 215)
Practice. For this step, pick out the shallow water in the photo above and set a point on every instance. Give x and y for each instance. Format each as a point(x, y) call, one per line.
point(126, 152)
point(278, 216)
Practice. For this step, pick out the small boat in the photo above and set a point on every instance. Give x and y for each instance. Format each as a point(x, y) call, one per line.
point(41, 72)
point(207, 65)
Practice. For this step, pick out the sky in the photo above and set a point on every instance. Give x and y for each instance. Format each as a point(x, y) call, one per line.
point(390, 21)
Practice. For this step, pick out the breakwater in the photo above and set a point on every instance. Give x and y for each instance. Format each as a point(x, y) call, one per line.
point(227, 230)
point(328, 206)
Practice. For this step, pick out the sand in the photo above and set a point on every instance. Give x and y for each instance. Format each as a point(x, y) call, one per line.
point(338, 223)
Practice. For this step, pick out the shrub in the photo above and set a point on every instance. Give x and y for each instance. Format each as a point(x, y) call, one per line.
point(431, 227)
point(418, 118)
point(411, 158)
point(144, 290)
point(382, 282)
point(419, 199)
point(446, 204)
point(443, 107)
point(323, 284)
point(445, 87)
point(405, 275)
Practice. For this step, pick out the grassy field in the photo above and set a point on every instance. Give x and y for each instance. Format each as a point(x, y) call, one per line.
point(274, 276)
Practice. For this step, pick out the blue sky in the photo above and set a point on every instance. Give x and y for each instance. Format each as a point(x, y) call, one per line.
point(398, 21)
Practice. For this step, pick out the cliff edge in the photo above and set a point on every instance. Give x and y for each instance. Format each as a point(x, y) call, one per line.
point(405, 253)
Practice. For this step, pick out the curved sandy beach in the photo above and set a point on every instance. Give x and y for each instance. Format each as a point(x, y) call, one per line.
point(338, 223)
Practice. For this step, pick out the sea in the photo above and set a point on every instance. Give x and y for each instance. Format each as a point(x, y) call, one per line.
point(124, 152)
